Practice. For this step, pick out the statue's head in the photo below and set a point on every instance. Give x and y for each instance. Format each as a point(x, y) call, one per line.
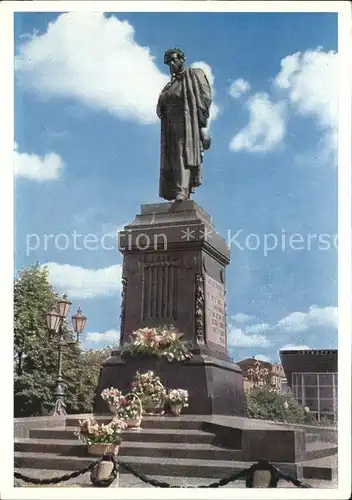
point(175, 59)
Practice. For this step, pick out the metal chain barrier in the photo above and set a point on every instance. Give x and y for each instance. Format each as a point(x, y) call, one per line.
point(222, 482)
point(160, 484)
point(291, 479)
point(56, 480)
point(106, 482)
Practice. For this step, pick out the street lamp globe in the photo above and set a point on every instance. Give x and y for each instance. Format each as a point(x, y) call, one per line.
point(63, 305)
point(78, 322)
point(53, 319)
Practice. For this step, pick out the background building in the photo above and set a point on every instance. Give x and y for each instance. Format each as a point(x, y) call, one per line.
point(257, 373)
point(312, 376)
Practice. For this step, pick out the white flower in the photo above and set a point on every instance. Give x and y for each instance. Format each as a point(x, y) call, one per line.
point(306, 409)
point(286, 405)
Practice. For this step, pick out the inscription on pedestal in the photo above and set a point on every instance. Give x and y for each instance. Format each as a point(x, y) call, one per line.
point(215, 320)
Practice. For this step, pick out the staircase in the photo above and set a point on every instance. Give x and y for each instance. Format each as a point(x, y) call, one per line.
point(164, 446)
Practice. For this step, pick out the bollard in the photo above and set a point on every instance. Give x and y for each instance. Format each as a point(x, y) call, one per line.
point(105, 473)
point(262, 475)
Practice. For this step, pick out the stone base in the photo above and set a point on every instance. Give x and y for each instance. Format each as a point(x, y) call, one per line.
point(215, 386)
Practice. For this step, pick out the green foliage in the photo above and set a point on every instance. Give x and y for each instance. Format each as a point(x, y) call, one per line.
point(35, 354)
point(267, 404)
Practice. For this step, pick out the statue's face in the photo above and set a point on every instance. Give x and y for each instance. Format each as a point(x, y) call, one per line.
point(175, 63)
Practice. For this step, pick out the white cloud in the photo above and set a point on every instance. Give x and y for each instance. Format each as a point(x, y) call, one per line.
point(79, 282)
point(293, 347)
point(241, 318)
point(308, 83)
point(257, 328)
point(37, 168)
point(239, 87)
point(262, 357)
point(311, 81)
point(95, 59)
point(315, 317)
point(265, 129)
point(214, 108)
point(109, 337)
point(238, 338)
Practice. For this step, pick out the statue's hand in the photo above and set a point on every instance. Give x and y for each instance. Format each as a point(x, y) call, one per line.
point(205, 138)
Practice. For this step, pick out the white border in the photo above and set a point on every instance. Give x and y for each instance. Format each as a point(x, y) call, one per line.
point(344, 288)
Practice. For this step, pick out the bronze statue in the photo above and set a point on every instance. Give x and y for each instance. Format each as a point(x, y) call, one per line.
point(183, 109)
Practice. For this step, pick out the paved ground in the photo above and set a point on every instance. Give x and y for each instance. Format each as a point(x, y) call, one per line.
point(129, 481)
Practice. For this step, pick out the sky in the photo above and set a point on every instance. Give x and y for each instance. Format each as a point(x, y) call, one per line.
point(86, 152)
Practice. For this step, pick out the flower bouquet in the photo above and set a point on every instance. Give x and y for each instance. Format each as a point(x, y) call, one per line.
point(162, 342)
point(177, 399)
point(112, 397)
point(151, 392)
point(101, 438)
point(130, 409)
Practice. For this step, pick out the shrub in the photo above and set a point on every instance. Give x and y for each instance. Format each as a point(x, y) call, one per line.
point(267, 404)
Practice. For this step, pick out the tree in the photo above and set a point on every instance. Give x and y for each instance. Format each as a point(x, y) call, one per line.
point(35, 360)
point(35, 354)
point(82, 379)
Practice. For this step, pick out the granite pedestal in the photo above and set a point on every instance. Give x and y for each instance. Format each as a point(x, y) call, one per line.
point(174, 274)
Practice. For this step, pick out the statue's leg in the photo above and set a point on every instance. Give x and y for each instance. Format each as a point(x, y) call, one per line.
point(182, 175)
point(195, 178)
point(175, 147)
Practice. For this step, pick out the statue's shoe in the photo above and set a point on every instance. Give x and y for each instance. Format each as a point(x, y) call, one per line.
point(180, 197)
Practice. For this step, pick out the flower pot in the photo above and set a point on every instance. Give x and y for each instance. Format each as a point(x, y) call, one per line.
point(176, 410)
point(151, 407)
point(134, 422)
point(113, 408)
point(100, 449)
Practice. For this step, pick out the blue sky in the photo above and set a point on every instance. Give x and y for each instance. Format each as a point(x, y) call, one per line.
point(87, 156)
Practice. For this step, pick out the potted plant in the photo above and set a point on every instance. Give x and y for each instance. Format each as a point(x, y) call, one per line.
point(162, 342)
point(178, 399)
point(101, 438)
point(130, 409)
point(111, 396)
point(151, 392)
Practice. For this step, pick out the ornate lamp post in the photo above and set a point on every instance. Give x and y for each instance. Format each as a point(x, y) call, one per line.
point(55, 320)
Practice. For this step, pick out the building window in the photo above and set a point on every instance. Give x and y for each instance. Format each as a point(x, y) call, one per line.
point(326, 392)
point(310, 379)
point(310, 392)
point(284, 387)
point(326, 379)
point(327, 405)
point(317, 391)
point(296, 379)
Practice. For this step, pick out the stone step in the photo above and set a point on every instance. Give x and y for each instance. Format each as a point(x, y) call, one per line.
point(322, 437)
point(151, 466)
point(69, 447)
point(145, 435)
point(167, 422)
point(50, 461)
point(324, 468)
point(319, 449)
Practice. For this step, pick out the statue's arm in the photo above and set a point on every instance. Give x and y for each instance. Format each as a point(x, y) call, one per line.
point(204, 96)
point(159, 110)
point(160, 106)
